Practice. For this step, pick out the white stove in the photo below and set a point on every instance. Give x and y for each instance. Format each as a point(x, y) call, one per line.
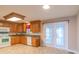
point(4, 37)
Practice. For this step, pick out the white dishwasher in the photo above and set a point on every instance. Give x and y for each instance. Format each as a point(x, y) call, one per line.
point(29, 40)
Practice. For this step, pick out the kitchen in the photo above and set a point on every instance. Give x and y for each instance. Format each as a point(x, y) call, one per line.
point(37, 29)
point(14, 32)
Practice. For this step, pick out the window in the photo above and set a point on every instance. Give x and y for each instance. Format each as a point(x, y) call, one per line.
point(56, 34)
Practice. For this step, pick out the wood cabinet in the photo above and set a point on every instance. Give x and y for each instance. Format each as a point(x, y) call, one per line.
point(19, 28)
point(35, 26)
point(24, 27)
point(15, 40)
point(16, 27)
point(23, 40)
point(13, 27)
point(35, 41)
point(18, 40)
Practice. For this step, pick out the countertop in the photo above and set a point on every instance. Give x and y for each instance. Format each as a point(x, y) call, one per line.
point(20, 34)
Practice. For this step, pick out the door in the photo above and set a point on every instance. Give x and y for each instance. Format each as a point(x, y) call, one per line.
point(48, 30)
point(56, 34)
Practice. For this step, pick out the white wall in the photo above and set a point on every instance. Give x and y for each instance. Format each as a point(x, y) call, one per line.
point(72, 34)
point(78, 32)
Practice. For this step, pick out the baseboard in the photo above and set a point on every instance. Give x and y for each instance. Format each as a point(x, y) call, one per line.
point(75, 52)
point(69, 50)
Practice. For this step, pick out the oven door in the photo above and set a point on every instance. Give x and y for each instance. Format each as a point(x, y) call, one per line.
point(4, 41)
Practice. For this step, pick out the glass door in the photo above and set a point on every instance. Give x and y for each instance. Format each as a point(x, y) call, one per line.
point(61, 34)
point(56, 34)
point(48, 39)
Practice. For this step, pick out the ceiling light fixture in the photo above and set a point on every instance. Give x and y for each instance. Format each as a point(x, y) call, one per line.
point(46, 6)
point(14, 19)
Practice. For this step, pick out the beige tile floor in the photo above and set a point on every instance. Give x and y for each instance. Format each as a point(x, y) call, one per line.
point(24, 49)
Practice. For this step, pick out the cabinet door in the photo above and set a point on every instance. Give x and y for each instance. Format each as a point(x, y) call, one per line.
point(35, 26)
point(36, 41)
point(15, 40)
point(24, 27)
point(23, 40)
point(19, 28)
point(13, 28)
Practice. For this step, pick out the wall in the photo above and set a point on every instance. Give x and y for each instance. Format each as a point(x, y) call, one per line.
point(72, 33)
point(78, 32)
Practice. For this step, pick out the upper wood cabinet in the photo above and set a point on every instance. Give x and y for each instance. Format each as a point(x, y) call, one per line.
point(24, 27)
point(16, 27)
point(35, 26)
point(13, 27)
point(19, 28)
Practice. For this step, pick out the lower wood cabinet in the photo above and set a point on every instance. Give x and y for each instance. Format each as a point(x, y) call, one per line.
point(15, 40)
point(35, 41)
point(23, 40)
point(18, 40)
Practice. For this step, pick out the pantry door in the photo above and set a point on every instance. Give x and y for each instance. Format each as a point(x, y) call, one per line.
point(56, 34)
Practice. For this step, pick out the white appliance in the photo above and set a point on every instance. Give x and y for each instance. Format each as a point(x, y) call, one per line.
point(29, 40)
point(4, 37)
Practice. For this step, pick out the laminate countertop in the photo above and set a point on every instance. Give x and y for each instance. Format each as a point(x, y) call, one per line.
point(20, 34)
point(24, 34)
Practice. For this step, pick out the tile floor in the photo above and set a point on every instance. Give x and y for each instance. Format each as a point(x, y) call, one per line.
point(24, 49)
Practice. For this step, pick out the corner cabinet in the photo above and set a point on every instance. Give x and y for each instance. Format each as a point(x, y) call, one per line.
point(15, 40)
point(23, 40)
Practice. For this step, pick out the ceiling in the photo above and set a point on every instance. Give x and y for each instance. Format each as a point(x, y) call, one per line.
point(36, 12)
